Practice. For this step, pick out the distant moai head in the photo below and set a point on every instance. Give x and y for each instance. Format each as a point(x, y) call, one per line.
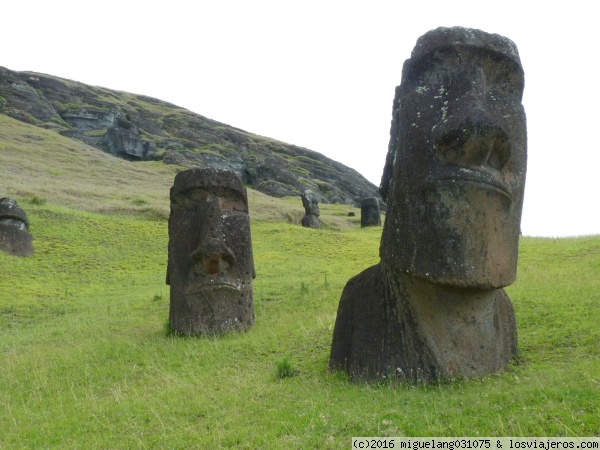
point(210, 267)
point(369, 212)
point(310, 203)
point(311, 208)
point(455, 171)
point(14, 229)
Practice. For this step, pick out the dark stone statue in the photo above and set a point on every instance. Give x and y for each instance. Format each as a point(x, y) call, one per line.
point(369, 212)
point(210, 267)
point(454, 179)
point(14, 229)
point(311, 208)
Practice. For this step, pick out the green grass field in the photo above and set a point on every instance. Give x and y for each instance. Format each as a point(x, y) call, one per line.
point(85, 361)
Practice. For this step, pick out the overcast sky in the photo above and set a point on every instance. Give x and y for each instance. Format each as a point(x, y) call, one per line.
point(321, 74)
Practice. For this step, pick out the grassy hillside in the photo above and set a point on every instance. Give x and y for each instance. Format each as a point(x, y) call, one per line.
point(139, 127)
point(85, 361)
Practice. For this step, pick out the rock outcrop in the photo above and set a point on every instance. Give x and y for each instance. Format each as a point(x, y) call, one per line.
point(137, 127)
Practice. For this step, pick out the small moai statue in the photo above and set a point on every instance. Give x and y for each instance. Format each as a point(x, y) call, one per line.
point(210, 265)
point(369, 212)
point(311, 208)
point(434, 307)
point(14, 229)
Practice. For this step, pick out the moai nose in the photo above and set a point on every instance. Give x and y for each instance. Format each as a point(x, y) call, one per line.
point(474, 144)
point(212, 257)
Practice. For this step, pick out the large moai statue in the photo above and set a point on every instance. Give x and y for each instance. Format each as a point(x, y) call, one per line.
point(370, 215)
point(311, 210)
point(454, 179)
point(14, 229)
point(210, 267)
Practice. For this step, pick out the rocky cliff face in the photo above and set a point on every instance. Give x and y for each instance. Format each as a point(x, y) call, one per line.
point(137, 127)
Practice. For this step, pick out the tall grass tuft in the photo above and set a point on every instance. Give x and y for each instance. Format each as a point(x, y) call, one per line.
point(284, 368)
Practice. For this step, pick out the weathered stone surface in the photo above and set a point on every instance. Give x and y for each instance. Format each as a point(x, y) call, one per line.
point(457, 181)
point(14, 229)
point(454, 180)
point(21, 101)
point(391, 325)
point(370, 215)
point(118, 134)
point(137, 127)
point(311, 208)
point(210, 267)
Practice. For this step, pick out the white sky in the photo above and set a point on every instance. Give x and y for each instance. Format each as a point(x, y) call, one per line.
point(321, 74)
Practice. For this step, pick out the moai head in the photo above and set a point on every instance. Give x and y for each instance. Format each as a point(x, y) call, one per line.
point(14, 229)
point(311, 208)
point(210, 266)
point(369, 212)
point(310, 203)
point(455, 172)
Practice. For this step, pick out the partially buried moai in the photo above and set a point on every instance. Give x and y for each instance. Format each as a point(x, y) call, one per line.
point(370, 215)
point(210, 267)
point(311, 210)
point(14, 229)
point(454, 179)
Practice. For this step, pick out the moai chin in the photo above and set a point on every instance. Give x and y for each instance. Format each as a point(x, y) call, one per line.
point(311, 208)
point(210, 267)
point(454, 180)
point(370, 215)
point(14, 229)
